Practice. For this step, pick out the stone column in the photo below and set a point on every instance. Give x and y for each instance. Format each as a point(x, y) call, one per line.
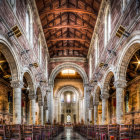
point(104, 97)
point(90, 114)
point(87, 91)
point(46, 114)
point(120, 85)
point(32, 98)
point(50, 103)
point(17, 85)
point(41, 112)
point(95, 104)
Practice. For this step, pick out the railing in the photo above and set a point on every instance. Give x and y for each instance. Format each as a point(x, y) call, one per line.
point(29, 132)
point(109, 132)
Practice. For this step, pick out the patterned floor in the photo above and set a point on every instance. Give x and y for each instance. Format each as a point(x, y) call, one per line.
point(68, 134)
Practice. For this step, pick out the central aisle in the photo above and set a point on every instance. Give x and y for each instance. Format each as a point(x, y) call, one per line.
point(69, 134)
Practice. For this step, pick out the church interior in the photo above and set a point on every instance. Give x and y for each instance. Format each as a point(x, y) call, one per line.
point(69, 69)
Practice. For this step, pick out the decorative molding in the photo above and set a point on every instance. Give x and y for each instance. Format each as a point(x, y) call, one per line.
point(32, 96)
point(66, 59)
point(120, 84)
point(17, 84)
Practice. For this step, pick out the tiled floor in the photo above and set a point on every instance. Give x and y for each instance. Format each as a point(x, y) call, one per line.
point(68, 134)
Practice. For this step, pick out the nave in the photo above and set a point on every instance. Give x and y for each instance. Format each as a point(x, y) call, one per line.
point(69, 134)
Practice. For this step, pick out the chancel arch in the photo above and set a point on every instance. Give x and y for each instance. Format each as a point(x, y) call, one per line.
point(68, 65)
point(68, 104)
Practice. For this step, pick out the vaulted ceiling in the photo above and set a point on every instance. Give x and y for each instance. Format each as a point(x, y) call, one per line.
point(68, 25)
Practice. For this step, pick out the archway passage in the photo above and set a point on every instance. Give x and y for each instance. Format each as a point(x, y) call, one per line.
point(132, 91)
point(6, 93)
point(68, 95)
point(112, 102)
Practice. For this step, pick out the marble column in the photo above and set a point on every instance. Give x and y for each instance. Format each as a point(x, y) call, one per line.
point(95, 104)
point(17, 85)
point(32, 98)
point(41, 122)
point(104, 97)
point(120, 85)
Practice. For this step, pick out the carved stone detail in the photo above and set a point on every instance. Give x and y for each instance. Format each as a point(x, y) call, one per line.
point(40, 103)
point(120, 84)
point(104, 96)
point(32, 96)
point(96, 103)
point(17, 84)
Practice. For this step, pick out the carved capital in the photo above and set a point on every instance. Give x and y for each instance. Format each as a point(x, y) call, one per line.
point(120, 84)
point(32, 96)
point(96, 103)
point(104, 96)
point(17, 84)
point(40, 103)
point(45, 107)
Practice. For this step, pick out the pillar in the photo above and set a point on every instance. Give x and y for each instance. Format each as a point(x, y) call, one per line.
point(87, 91)
point(120, 85)
point(95, 104)
point(32, 98)
point(104, 97)
point(41, 112)
point(17, 85)
point(90, 115)
point(46, 114)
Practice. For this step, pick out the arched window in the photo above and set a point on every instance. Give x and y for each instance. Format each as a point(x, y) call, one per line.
point(68, 98)
point(12, 3)
point(74, 97)
point(29, 26)
point(39, 51)
point(90, 66)
point(107, 26)
point(46, 67)
point(124, 4)
point(96, 47)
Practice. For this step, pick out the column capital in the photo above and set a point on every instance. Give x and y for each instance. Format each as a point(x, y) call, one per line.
point(120, 83)
point(40, 103)
point(45, 107)
point(96, 103)
point(32, 96)
point(104, 96)
point(17, 84)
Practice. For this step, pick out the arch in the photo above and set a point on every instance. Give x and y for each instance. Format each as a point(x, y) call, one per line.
point(68, 88)
point(129, 50)
point(66, 65)
point(91, 101)
point(29, 77)
point(38, 93)
point(107, 79)
point(11, 57)
point(96, 93)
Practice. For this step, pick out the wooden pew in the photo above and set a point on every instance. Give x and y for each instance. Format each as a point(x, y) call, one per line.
point(136, 131)
point(15, 132)
point(103, 132)
point(125, 132)
point(27, 132)
point(113, 132)
point(2, 132)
